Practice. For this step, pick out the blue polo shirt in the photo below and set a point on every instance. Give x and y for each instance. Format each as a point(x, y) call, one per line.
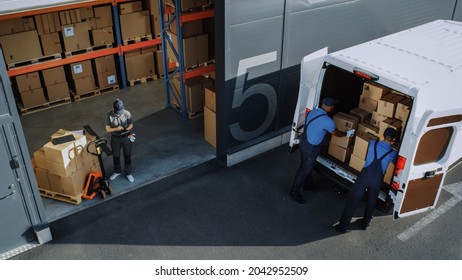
point(382, 148)
point(317, 129)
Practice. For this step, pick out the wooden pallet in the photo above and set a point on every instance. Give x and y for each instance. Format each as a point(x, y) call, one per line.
point(109, 89)
point(79, 97)
point(34, 61)
point(33, 109)
point(60, 102)
point(61, 197)
point(87, 50)
point(143, 80)
point(200, 65)
point(137, 39)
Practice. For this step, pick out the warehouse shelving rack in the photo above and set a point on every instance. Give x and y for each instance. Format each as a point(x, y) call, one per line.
point(179, 18)
point(119, 49)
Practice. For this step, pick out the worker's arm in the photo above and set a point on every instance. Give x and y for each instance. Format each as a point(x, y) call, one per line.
point(339, 133)
point(114, 129)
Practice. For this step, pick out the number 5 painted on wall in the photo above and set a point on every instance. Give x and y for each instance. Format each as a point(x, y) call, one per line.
point(264, 89)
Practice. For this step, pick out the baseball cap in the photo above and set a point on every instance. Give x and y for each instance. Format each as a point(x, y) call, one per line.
point(329, 101)
point(390, 132)
point(118, 107)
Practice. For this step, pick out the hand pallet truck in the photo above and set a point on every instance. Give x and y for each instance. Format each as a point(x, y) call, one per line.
point(97, 183)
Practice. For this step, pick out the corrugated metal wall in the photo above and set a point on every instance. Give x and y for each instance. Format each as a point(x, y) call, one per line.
point(264, 41)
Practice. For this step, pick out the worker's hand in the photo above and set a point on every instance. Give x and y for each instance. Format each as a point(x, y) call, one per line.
point(350, 133)
point(120, 128)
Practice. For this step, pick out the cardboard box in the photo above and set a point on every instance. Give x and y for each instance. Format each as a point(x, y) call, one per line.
point(53, 76)
point(28, 23)
point(389, 173)
point(10, 26)
point(58, 91)
point(361, 145)
point(369, 128)
point(377, 118)
point(65, 152)
point(159, 64)
point(76, 36)
point(343, 142)
point(363, 115)
point(40, 159)
point(102, 36)
point(155, 25)
point(389, 122)
point(356, 162)
point(210, 98)
point(84, 85)
point(28, 81)
point(140, 66)
point(195, 49)
point(81, 69)
point(189, 29)
point(86, 12)
point(345, 122)
point(60, 169)
point(374, 91)
point(104, 64)
point(51, 44)
point(42, 178)
point(339, 153)
point(403, 109)
point(367, 104)
point(210, 127)
point(130, 7)
point(21, 47)
point(72, 185)
point(33, 98)
point(194, 91)
point(103, 16)
point(107, 79)
point(189, 4)
point(387, 105)
point(135, 25)
point(153, 6)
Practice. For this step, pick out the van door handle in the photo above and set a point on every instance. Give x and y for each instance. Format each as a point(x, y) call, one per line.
point(430, 174)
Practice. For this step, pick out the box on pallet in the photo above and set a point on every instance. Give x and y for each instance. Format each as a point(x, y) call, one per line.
point(21, 47)
point(84, 85)
point(58, 91)
point(28, 81)
point(76, 36)
point(102, 36)
point(130, 7)
point(140, 66)
point(103, 16)
point(51, 43)
point(54, 76)
point(135, 25)
point(195, 49)
point(33, 98)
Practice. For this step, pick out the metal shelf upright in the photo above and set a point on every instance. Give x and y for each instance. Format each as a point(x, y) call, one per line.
point(176, 15)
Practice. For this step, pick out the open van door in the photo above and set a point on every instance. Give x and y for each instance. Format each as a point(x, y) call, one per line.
point(310, 68)
point(438, 147)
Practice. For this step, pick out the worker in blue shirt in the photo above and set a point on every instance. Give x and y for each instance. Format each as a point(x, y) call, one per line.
point(379, 156)
point(317, 125)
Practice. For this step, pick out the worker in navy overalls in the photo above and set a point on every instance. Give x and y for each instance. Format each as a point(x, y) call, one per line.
point(317, 125)
point(370, 179)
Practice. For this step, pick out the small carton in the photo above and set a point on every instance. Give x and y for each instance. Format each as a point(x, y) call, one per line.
point(363, 115)
point(356, 162)
point(403, 109)
point(387, 105)
point(361, 145)
point(367, 104)
point(374, 91)
point(339, 153)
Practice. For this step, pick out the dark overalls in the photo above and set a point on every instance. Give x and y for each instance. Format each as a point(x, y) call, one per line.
point(370, 179)
point(119, 142)
point(309, 153)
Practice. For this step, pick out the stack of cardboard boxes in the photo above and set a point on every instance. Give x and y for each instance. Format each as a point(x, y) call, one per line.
point(63, 168)
point(83, 80)
point(106, 73)
point(210, 123)
point(195, 89)
point(30, 89)
point(56, 84)
point(134, 21)
point(378, 109)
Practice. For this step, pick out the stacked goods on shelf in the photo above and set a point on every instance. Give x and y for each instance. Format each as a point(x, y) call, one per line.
point(195, 47)
point(83, 80)
point(140, 66)
point(106, 73)
point(61, 169)
point(210, 124)
point(135, 22)
point(195, 89)
point(21, 47)
point(30, 90)
point(55, 81)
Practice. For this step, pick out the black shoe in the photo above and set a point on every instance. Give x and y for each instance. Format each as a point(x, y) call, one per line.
point(340, 229)
point(364, 225)
point(297, 197)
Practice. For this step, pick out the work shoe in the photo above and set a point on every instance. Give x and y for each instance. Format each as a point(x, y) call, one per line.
point(363, 224)
point(297, 197)
point(130, 178)
point(114, 175)
point(340, 229)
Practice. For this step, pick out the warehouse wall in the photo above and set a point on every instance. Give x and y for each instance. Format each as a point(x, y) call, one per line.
point(263, 42)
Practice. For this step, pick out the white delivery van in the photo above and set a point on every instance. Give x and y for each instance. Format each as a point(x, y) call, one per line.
point(411, 80)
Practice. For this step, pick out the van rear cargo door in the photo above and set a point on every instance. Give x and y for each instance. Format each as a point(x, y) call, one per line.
point(438, 147)
point(310, 68)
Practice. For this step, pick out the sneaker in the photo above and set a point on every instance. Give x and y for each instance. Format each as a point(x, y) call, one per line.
point(130, 178)
point(340, 229)
point(297, 197)
point(114, 175)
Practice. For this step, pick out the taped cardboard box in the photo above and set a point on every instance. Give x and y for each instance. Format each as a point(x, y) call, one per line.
point(366, 127)
point(40, 159)
point(76, 36)
point(343, 142)
point(103, 16)
point(19, 47)
point(53, 76)
point(72, 185)
point(58, 91)
point(389, 122)
point(374, 91)
point(403, 109)
point(65, 152)
point(33, 98)
point(130, 7)
point(42, 178)
point(28, 81)
point(376, 118)
point(363, 115)
point(135, 25)
point(361, 145)
point(356, 162)
point(387, 105)
point(210, 127)
point(51, 43)
point(345, 122)
point(339, 153)
point(367, 104)
point(84, 85)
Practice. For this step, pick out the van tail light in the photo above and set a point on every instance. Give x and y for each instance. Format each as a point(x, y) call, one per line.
point(400, 163)
point(307, 111)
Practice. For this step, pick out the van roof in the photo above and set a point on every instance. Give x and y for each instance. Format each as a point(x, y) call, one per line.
point(411, 59)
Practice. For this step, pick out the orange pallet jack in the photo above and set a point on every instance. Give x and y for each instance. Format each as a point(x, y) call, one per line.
point(97, 183)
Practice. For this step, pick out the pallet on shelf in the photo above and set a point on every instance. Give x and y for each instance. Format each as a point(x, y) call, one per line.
point(109, 89)
point(193, 115)
point(142, 80)
point(61, 197)
point(137, 39)
point(85, 95)
point(32, 109)
point(60, 102)
point(34, 61)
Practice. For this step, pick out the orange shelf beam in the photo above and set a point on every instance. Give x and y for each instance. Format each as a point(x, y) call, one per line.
point(197, 15)
point(198, 72)
point(143, 44)
point(60, 62)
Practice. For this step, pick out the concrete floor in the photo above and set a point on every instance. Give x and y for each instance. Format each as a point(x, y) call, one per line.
point(165, 143)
